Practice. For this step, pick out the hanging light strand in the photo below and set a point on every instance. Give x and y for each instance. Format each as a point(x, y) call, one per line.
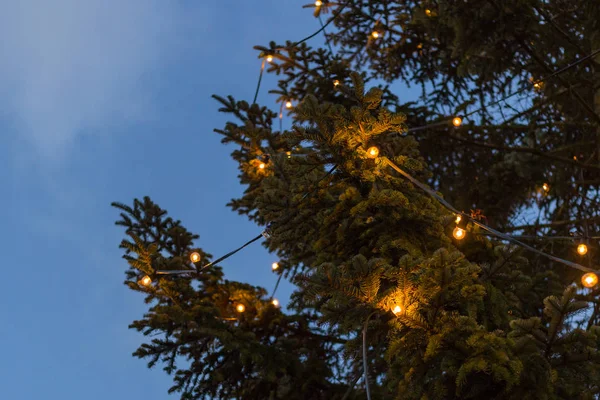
point(494, 232)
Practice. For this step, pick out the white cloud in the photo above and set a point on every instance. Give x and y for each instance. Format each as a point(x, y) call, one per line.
point(71, 66)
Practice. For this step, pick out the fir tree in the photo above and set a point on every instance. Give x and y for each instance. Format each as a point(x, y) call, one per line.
point(366, 248)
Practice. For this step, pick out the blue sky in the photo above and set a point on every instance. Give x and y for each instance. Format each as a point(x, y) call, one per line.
point(103, 101)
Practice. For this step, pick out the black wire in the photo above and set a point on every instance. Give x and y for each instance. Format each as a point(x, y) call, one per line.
point(276, 286)
point(262, 68)
point(231, 253)
point(325, 34)
point(330, 20)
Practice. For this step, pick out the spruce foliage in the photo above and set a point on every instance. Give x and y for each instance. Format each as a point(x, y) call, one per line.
point(478, 319)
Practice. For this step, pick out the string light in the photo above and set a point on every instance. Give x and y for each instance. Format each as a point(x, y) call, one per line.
point(458, 219)
point(145, 281)
point(195, 257)
point(582, 249)
point(546, 187)
point(375, 34)
point(372, 152)
point(275, 302)
point(457, 121)
point(589, 280)
point(288, 104)
point(428, 12)
point(459, 233)
point(240, 308)
point(288, 154)
point(397, 309)
point(269, 58)
point(318, 3)
point(275, 266)
point(336, 82)
point(262, 165)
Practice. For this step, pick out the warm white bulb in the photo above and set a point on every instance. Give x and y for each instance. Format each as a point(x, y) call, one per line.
point(318, 3)
point(195, 257)
point(288, 104)
point(262, 165)
point(336, 82)
point(397, 309)
point(546, 187)
point(269, 58)
point(589, 280)
point(375, 34)
point(275, 302)
point(240, 308)
point(274, 266)
point(582, 249)
point(428, 12)
point(372, 152)
point(458, 219)
point(146, 281)
point(459, 233)
point(457, 121)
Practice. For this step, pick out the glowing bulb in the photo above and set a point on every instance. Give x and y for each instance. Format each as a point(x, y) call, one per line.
point(428, 12)
point(375, 34)
point(546, 187)
point(288, 104)
point(145, 281)
point(240, 308)
point(458, 219)
point(269, 58)
point(275, 302)
point(420, 46)
point(262, 165)
point(457, 121)
point(589, 280)
point(372, 152)
point(336, 82)
point(318, 3)
point(195, 257)
point(538, 85)
point(289, 154)
point(274, 266)
point(459, 233)
point(397, 309)
point(582, 249)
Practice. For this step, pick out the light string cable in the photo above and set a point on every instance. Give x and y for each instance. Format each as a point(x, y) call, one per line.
point(322, 29)
point(494, 232)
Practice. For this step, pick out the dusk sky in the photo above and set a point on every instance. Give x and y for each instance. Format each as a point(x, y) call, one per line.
point(101, 101)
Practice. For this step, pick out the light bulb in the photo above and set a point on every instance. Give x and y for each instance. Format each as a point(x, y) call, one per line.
point(146, 281)
point(375, 34)
point(262, 165)
point(318, 3)
point(457, 121)
point(195, 257)
point(288, 154)
point(336, 82)
point(546, 187)
point(275, 302)
point(589, 280)
point(269, 58)
point(288, 104)
point(428, 12)
point(240, 308)
point(397, 309)
point(538, 85)
point(459, 233)
point(372, 152)
point(458, 219)
point(274, 266)
point(582, 249)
